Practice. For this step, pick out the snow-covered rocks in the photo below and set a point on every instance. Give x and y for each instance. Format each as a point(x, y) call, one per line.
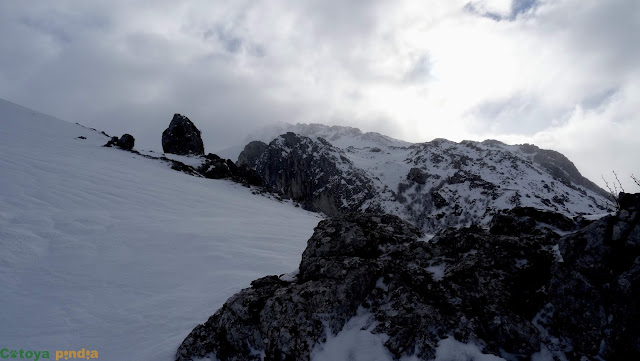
point(512, 294)
point(432, 185)
point(182, 137)
point(316, 174)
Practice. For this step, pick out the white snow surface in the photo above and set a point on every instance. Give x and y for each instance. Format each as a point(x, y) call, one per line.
point(354, 342)
point(106, 250)
point(451, 350)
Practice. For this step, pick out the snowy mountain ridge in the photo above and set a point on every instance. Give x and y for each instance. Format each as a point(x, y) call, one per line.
point(433, 185)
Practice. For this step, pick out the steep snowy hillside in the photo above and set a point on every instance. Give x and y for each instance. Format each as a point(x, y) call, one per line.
point(433, 185)
point(106, 250)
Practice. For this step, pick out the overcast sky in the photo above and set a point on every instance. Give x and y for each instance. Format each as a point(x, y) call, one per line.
point(564, 74)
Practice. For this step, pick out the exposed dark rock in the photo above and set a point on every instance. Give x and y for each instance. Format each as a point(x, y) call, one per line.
point(126, 142)
point(215, 167)
point(314, 173)
point(211, 156)
point(252, 151)
point(81, 137)
point(595, 292)
point(577, 296)
point(182, 137)
point(438, 200)
point(530, 220)
point(417, 175)
point(629, 201)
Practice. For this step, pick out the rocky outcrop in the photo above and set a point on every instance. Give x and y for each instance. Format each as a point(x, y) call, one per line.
point(574, 297)
point(182, 137)
point(316, 174)
point(251, 153)
point(417, 175)
point(593, 307)
point(215, 167)
point(126, 142)
point(530, 220)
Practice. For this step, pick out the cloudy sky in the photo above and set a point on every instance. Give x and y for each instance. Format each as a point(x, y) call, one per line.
point(562, 74)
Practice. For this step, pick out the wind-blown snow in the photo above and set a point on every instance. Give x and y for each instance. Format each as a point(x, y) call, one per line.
point(354, 342)
point(105, 250)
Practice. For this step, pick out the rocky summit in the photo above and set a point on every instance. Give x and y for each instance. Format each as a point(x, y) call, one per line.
point(558, 289)
point(182, 137)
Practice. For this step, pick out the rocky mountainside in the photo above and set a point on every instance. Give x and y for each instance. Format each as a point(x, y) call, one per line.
point(521, 293)
point(432, 185)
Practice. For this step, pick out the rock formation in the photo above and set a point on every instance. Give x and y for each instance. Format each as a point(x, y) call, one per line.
point(432, 185)
point(215, 167)
point(514, 294)
point(126, 142)
point(314, 173)
point(182, 137)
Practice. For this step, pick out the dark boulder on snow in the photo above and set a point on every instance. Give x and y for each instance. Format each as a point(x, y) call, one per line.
point(575, 297)
point(182, 137)
point(126, 142)
point(215, 167)
point(417, 175)
point(250, 154)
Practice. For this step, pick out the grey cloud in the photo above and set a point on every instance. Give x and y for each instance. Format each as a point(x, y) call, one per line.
point(518, 7)
point(127, 66)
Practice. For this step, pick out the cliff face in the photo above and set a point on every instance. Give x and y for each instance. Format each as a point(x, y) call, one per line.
point(316, 174)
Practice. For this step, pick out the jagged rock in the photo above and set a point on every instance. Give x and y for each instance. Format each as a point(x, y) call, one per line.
point(215, 167)
point(316, 174)
point(182, 137)
point(250, 154)
point(575, 297)
point(595, 292)
point(126, 142)
point(417, 175)
point(528, 220)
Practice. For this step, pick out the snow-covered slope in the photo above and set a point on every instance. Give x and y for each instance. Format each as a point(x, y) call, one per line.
point(433, 185)
point(106, 250)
